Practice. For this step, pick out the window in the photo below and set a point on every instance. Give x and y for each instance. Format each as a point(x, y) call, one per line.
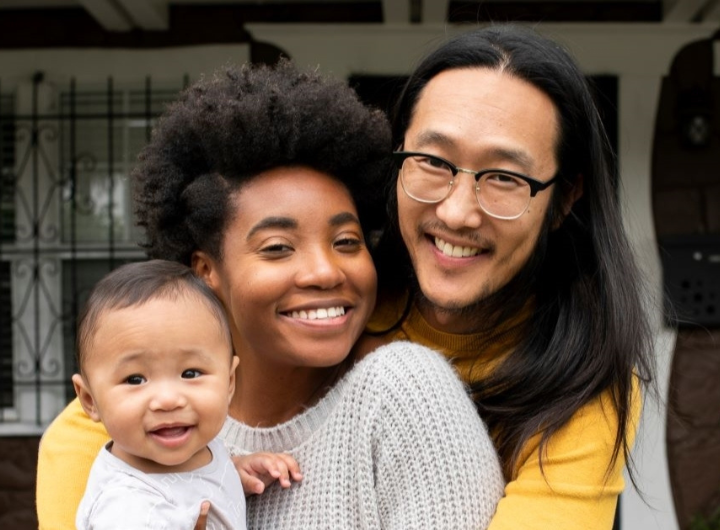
point(65, 221)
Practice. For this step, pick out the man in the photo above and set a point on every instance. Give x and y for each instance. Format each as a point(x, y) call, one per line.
point(505, 250)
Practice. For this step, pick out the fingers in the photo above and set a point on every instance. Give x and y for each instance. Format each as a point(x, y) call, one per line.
point(251, 484)
point(202, 518)
point(282, 467)
point(290, 468)
point(267, 468)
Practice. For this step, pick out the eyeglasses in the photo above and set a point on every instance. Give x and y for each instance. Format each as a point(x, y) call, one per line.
point(500, 193)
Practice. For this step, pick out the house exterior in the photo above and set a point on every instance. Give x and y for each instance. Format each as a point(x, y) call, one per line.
point(77, 106)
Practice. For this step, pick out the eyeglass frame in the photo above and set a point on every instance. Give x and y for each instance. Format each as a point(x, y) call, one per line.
point(535, 185)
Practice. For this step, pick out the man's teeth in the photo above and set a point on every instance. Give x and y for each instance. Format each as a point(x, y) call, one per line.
point(455, 251)
point(319, 314)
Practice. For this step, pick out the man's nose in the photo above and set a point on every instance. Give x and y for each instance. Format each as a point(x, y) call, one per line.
point(460, 209)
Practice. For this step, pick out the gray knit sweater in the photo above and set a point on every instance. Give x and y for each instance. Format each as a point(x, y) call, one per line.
point(396, 444)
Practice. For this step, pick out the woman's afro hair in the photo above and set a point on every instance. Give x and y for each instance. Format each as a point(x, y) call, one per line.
point(224, 131)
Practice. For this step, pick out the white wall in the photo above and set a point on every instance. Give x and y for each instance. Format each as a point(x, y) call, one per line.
point(639, 54)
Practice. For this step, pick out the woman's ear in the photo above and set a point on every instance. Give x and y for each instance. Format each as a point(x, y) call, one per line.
point(205, 268)
point(85, 396)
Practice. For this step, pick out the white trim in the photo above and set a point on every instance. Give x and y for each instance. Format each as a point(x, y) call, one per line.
point(21, 429)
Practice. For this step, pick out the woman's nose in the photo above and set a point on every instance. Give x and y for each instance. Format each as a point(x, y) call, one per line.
point(320, 270)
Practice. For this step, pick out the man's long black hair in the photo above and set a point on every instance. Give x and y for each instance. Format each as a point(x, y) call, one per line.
point(588, 331)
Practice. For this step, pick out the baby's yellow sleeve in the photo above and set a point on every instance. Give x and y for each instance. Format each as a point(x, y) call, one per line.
point(67, 451)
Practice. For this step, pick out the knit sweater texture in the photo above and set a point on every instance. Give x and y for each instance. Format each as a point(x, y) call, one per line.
point(574, 489)
point(396, 444)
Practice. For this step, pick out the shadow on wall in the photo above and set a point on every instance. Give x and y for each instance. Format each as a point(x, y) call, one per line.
point(18, 465)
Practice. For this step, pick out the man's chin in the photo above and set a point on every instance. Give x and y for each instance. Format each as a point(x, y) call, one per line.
point(450, 315)
point(456, 303)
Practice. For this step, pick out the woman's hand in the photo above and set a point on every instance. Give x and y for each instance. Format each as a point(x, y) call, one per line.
point(259, 470)
point(202, 519)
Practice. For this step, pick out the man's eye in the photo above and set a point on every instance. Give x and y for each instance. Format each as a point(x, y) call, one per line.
point(434, 163)
point(191, 374)
point(135, 380)
point(503, 179)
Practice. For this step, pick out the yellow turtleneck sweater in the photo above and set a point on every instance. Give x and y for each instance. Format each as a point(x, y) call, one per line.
point(576, 490)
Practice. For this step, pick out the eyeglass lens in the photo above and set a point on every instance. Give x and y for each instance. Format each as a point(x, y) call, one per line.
point(499, 194)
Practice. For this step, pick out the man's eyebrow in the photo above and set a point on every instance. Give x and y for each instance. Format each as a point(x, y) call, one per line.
point(436, 138)
point(284, 223)
point(516, 156)
point(430, 137)
point(343, 218)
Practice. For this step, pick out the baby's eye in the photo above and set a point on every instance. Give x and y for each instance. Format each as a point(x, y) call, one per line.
point(191, 374)
point(135, 379)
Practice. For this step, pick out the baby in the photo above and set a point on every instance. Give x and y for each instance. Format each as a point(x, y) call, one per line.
point(157, 368)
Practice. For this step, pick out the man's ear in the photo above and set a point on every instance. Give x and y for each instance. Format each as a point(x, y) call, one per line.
point(85, 396)
point(573, 193)
point(205, 268)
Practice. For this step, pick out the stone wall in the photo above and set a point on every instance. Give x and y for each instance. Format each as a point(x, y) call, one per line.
point(18, 464)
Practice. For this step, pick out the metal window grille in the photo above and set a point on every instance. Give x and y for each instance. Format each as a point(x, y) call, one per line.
point(7, 235)
point(65, 221)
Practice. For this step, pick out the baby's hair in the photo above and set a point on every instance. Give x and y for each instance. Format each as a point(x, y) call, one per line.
point(135, 284)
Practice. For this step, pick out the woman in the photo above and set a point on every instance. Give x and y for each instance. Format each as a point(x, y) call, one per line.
point(258, 179)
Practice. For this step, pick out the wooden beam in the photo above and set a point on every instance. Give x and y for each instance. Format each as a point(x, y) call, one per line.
point(684, 11)
point(712, 12)
point(107, 14)
point(148, 14)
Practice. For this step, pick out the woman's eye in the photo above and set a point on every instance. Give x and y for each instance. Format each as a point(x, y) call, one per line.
point(135, 380)
point(191, 374)
point(276, 249)
point(348, 243)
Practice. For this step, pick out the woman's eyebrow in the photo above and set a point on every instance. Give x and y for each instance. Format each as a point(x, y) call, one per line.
point(284, 223)
point(343, 218)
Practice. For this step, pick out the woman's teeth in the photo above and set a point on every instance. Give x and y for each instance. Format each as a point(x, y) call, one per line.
point(319, 314)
